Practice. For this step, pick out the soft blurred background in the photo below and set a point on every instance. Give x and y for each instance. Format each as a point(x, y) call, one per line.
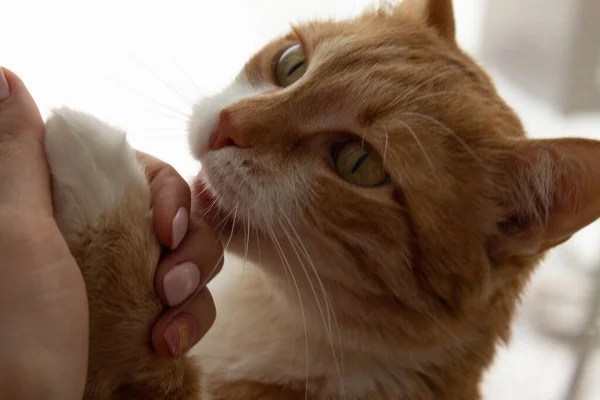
point(141, 64)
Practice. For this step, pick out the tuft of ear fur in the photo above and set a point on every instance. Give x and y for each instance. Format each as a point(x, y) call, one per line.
point(438, 14)
point(101, 202)
point(551, 189)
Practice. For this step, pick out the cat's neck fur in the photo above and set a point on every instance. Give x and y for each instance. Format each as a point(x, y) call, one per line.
point(260, 343)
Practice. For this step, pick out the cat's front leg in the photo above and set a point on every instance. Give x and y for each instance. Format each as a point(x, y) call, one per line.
point(101, 202)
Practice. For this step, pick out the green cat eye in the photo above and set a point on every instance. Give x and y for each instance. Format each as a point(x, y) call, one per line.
point(291, 66)
point(360, 165)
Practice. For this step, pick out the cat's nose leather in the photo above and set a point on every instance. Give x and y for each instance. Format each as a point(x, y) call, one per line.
point(226, 134)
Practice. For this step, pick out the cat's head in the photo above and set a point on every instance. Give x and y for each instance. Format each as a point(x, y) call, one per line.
point(373, 160)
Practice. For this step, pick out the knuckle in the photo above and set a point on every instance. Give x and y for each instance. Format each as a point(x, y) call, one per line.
point(211, 309)
point(171, 174)
point(7, 142)
point(169, 178)
point(207, 233)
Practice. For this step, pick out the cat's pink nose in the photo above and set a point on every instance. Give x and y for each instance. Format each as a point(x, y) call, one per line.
point(226, 134)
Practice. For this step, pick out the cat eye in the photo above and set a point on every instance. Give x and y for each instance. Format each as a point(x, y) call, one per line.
point(358, 164)
point(291, 66)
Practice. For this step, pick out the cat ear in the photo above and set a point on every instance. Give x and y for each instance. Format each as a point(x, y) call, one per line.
point(550, 190)
point(438, 14)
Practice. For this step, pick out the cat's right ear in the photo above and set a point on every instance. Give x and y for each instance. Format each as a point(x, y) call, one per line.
point(548, 190)
point(438, 14)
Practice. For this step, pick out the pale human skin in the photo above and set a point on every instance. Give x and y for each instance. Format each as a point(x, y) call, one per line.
point(43, 302)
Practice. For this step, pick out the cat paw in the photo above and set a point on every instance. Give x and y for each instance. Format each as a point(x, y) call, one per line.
point(92, 168)
point(102, 202)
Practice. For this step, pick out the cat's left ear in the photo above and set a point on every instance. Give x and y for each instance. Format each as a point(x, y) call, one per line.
point(549, 190)
point(438, 14)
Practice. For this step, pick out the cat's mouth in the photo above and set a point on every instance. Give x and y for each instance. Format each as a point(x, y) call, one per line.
point(206, 206)
point(201, 193)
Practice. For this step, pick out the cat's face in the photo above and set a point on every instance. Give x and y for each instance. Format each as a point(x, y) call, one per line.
point(364, 152)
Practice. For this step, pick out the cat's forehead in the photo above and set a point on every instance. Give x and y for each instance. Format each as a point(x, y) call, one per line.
point(361, 37)
point(356, 68)
point(366, 52)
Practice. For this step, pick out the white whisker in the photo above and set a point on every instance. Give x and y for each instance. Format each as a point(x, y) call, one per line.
point(188, 76)
point(386, 143)
point(212, 272)
point(247, 240)
point(414, 135)
point(163, 82)
point(329, 307)
point(448, 130)
point(437, 94)
point(163, 106)
point(362, 143)
point(407, 94)
point(287, 265)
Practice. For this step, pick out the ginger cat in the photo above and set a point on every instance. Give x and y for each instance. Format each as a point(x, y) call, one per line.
point(386, 203)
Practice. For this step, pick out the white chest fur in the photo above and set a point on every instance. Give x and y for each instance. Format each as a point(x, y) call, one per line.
point(257, 337)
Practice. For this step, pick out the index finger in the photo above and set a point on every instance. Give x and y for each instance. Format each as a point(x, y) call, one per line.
point(171, 198)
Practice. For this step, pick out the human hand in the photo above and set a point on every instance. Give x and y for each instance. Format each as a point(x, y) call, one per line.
point(43, 304)
point(190, 263)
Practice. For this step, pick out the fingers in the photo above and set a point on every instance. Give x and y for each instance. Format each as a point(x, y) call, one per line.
point(191, 266)
point(18, 111)
point(180, 282)
point(182, 273)
point(171, 199)
point(4, 88)
point(179, 329)
point(23, 167)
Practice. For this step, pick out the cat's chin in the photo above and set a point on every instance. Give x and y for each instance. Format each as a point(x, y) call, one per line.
point(204, 203)
point(206, 207)
point(201, 193)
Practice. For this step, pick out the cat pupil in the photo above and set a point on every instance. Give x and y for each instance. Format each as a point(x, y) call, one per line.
point(360, 162)
point(295, 68)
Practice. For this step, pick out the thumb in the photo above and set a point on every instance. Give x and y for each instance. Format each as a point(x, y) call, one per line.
point(24, 177)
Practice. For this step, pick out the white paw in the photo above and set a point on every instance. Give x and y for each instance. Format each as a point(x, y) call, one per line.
point(92, 168)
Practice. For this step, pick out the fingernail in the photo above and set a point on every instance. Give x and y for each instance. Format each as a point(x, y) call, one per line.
point(180, 334)
point(4, 89)
point(180, 226)
point(180, 282)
